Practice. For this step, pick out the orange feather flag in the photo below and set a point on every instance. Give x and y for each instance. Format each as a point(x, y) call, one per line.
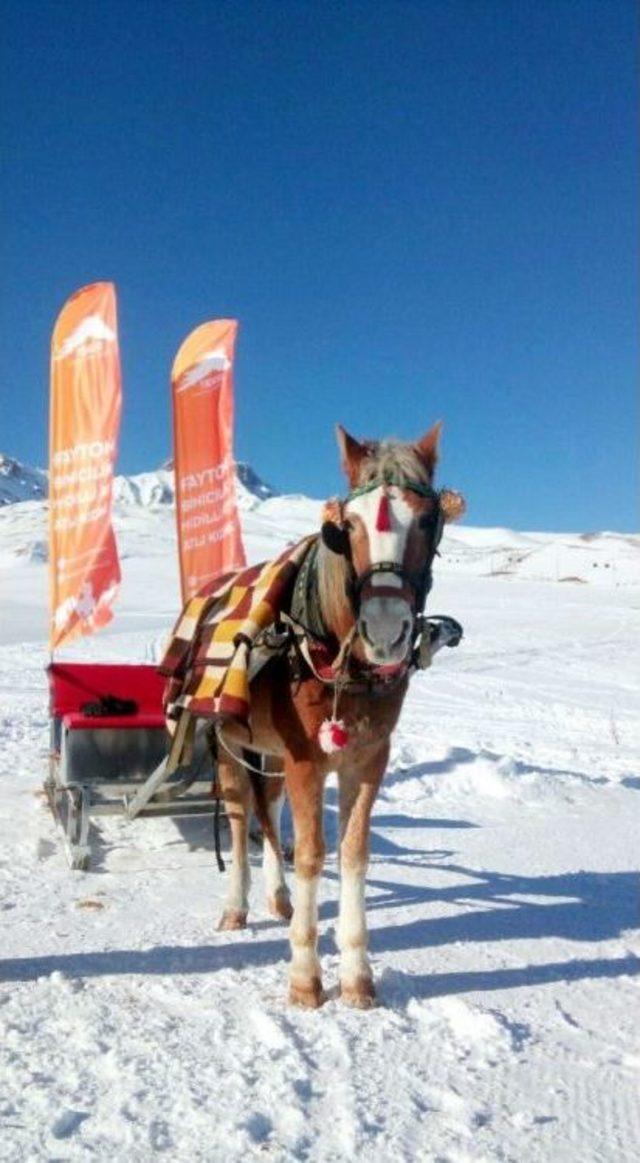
point(84, 422)
point(209, 535)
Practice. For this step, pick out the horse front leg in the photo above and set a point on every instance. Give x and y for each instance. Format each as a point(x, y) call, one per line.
point(358, 789)
point(305, 788)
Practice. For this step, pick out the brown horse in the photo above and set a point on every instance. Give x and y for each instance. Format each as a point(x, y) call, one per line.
point(363, 593)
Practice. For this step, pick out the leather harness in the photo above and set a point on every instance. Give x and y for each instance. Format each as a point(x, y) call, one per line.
point(311, 647)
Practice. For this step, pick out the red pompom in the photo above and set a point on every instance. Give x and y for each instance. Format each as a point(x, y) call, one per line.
point(383, 520)
point(333, 736)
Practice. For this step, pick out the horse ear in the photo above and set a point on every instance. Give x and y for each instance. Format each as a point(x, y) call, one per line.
point(427, 447)
point(452, 505)
point(352, 454)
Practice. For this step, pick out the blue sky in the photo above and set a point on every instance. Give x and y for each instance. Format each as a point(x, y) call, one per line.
point(415, 210)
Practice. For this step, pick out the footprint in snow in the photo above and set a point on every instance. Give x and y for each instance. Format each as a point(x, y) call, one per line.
point(259, 1127)
point(67, 1123)
point(480, 1033)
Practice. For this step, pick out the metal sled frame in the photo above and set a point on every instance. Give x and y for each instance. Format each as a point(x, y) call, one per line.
point(114, 763)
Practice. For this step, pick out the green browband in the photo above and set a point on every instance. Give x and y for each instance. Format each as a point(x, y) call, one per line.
point(413, 486)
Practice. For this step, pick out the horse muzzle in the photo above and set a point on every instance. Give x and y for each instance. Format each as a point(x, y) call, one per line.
point(385, 625)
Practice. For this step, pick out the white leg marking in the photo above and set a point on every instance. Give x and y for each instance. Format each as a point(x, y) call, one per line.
point(272, 861)
point(304, 929)
point(239, 877)
point(352, 928)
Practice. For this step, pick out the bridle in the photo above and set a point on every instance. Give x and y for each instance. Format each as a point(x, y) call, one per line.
point(336, 538)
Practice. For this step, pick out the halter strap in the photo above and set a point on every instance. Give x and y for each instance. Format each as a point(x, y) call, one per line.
point(419, 487)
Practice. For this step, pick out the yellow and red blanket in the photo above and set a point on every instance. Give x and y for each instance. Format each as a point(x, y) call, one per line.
point(207, 661)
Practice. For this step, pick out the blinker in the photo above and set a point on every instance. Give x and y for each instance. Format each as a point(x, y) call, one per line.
point(335, 538)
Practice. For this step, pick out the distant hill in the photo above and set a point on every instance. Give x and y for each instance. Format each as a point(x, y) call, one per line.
point(143, 511)
point(19, 482)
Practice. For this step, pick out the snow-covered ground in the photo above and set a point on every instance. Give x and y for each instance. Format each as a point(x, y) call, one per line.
point(502, 894)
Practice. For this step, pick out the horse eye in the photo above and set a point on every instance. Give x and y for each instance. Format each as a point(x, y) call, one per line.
point(425, 521)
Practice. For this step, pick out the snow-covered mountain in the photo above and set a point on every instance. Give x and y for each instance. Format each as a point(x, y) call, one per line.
point(20, 483)
point(145, 501)
point(249, 486)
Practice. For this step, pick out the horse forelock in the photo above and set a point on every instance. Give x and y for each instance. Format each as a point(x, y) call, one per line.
point(392, 458)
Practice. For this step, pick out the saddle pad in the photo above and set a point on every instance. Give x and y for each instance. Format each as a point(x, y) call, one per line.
point(208, 662)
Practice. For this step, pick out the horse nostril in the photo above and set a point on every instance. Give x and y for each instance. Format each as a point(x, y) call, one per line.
point(403, 633)
point(364, 632)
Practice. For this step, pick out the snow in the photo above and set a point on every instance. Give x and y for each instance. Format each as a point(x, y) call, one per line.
point(502, 893)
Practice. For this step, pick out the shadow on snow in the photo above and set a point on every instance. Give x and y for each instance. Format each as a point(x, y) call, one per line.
point(580, 906)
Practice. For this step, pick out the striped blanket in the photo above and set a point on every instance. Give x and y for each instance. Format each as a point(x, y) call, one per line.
point(208, 660)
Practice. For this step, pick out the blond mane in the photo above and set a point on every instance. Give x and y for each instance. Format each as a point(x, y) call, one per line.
point(333, 575)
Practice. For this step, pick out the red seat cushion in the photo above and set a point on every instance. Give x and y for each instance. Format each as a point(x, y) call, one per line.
point(73, 684)
point(75, 720)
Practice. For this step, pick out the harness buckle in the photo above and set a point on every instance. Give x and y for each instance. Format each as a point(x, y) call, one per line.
point(436, 631)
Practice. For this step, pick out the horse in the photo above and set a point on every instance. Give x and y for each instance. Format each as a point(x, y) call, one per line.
point(365, 588)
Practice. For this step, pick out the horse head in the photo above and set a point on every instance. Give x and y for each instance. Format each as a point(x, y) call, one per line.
point(387, 531)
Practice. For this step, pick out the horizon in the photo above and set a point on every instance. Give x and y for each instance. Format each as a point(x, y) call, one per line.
point(434, 206)
point(462, 523)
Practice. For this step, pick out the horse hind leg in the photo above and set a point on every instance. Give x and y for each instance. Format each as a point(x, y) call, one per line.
point(236, 793)
point(278, 897)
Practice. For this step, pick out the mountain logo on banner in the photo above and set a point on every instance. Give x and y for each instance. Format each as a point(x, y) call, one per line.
point(87, 338)
point(85, 605)
point(210, 367)
point(82, 604)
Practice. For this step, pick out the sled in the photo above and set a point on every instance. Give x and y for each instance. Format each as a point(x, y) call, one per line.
point(108, 752)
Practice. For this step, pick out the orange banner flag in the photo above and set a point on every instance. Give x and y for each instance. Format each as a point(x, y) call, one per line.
point(84, 420)
point(209, 535)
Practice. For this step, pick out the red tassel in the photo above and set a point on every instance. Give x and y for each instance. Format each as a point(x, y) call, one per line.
point(333, 736)
point(383, 520)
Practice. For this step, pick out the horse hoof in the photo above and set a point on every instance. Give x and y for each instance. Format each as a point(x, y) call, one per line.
point(232, 919)
point(308, 994)
point(280, 906)
point(360, 994)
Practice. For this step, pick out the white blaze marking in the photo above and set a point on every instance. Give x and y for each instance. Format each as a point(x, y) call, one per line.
point(387, 618)
point(384, 546)
point(386, 579)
